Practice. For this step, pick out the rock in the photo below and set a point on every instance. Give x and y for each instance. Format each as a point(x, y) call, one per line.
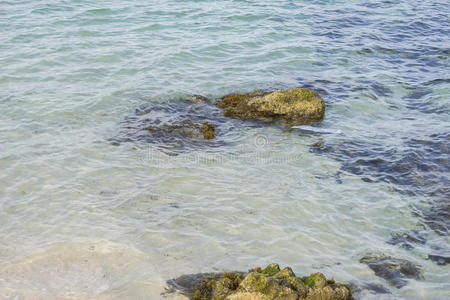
point(261, 286)
point(317, 280)
point(193, 122)
point(441, 258)
point(294, 106)
point(194, 285)
point(331, 291)
point(190, 130)
point(269, 283)
point(177, 125)
point(271, 269)
point(421, 169)
point(208, 130)
point(370, 290)
point(285, 273)
point(406, 239)
point(396, 271)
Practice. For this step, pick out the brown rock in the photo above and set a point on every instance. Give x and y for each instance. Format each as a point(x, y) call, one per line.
point(294, 106)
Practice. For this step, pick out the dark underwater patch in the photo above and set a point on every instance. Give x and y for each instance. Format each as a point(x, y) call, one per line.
point(407, 239)
point(420, 168)
point(440, 257)
point(394, 270)
point(381, 90)
point(176, 125)
point(425, 100)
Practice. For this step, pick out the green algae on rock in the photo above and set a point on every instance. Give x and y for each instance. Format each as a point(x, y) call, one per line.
point(293, 106)
point(269, 283)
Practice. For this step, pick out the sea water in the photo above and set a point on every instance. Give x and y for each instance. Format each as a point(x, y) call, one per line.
point(83, 217)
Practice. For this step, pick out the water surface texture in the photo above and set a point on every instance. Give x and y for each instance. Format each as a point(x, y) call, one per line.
point(84, 217)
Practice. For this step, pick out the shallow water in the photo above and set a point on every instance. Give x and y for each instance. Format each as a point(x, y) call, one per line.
point(83, 217)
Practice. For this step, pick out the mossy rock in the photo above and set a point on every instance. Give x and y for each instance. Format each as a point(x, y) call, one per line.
point(270, 283)
point(315, 280)
point(271, 270)
point(208, 130)
point(295, 106)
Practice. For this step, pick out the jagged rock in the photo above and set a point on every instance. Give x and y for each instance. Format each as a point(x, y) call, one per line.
point(395, 270)
point(294, 106)
point(269, 283)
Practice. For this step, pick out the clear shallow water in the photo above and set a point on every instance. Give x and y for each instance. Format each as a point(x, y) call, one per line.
point(82, 217)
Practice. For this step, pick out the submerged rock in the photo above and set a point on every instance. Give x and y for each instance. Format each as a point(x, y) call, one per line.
point(420, 169)
point(294, 106)
point(190, 130)
point(406, 239)
point(395, 270)
point(194, 121)
point(269, 283)
point(369, 290)
point(176, 124)
point(441, 258)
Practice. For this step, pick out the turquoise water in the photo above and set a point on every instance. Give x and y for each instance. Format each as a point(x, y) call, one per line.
point(83, 217)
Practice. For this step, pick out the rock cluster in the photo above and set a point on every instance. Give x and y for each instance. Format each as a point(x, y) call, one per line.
point(270, 283)
point(195, 121)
